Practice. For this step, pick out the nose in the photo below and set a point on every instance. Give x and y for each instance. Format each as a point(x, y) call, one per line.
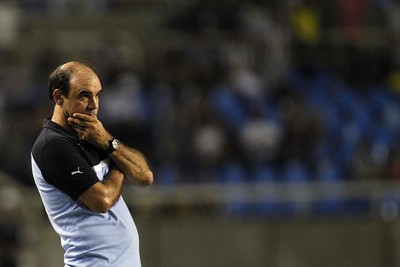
point(93, 103)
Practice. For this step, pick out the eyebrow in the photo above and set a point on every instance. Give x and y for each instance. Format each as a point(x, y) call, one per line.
point(86, 91)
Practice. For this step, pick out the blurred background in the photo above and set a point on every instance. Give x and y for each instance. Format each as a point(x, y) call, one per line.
point(271, 125)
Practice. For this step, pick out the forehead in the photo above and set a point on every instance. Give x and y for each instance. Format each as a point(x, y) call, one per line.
point(84, 78)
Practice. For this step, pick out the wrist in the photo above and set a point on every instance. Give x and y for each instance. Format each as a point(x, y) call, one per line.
point(112, 145)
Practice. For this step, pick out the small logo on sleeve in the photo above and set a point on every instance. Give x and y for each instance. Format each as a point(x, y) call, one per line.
point(76, 172)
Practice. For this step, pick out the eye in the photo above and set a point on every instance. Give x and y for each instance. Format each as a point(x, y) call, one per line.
point(83, 96)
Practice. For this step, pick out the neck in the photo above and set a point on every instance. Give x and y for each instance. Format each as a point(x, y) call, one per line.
point(59, 118)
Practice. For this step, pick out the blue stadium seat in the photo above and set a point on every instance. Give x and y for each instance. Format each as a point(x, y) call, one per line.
point(229, 108)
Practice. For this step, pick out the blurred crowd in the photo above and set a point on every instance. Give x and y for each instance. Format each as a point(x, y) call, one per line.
point(252, 91)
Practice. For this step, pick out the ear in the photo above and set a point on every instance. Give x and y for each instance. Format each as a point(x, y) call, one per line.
point(58, 96)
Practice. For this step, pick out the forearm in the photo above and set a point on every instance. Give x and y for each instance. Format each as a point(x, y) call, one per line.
point(130, 161)
point(103, 195)
point(113, 186)
point(133, 164)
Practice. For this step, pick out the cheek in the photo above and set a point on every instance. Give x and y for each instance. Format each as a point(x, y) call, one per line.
point(76, 107)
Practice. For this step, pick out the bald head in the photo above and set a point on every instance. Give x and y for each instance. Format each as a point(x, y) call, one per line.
point(61, 77)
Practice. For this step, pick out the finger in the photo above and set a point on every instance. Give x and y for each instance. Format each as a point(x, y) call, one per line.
point(78, 129)
point(75, 122)
point(80, 123)
point(84, 117)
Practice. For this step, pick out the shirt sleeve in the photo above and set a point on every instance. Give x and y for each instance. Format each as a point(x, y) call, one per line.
point(65, 167)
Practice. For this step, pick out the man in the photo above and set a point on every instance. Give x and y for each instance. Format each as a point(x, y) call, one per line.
point(79, 169)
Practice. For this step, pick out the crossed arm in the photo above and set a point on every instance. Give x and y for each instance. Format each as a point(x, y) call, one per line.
point(130, 165)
